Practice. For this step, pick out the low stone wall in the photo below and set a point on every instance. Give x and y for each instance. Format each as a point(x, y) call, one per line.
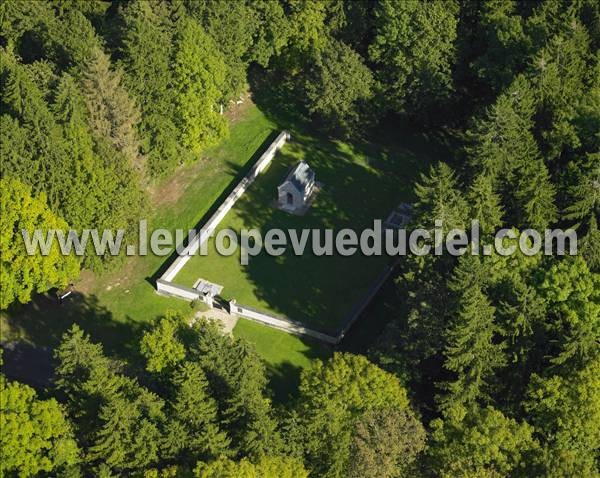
point(176, 290)
point(360, 306)
point(209, 227)
point(280, 323)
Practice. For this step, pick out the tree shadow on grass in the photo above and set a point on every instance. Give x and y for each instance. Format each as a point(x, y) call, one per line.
point(32, 331)
point(284, 378)
point(359, 186)
point(276, 96)
point(237, 172)
point(284, 381)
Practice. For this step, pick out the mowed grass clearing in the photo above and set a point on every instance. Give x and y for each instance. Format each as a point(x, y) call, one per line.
point(358, 186)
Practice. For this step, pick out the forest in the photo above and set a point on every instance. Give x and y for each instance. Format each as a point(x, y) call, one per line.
point(486, 366)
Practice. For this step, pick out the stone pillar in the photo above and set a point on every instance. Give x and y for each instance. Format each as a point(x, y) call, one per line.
point(232, 307)
point(208, 299)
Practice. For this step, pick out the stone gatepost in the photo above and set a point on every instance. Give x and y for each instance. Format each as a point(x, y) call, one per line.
point(208, 299)
point(232, 307)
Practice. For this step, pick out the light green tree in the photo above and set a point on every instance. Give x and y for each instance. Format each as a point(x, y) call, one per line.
point(572, 293)
point(36, 434)
point(565, 410)
point(22, 274)
point(333, 395)
point(232, 26)
point(161, 345)
point(199, 73)
point(265, 467)
point(480, 442)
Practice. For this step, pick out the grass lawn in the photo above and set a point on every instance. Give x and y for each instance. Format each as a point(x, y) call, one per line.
point(359, 185)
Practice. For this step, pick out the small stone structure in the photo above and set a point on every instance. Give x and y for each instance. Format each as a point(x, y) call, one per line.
point(399, 217)
point(208, 291)
point(294, 193)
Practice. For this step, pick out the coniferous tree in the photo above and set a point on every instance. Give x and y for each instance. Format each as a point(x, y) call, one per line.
point(534, 195)
point(45, 163)
point(485, 204)
point(113, 114)
point(195, 428)
point(472, 351)
point(583, 207)
point(83, 376)
point(590, 246)
point(502, 138)
point(129, 434)
point(235, 378)
point(147, 54)
point(439, 198)
point(237, 382)
point(119, 421)
point(521, 314)
point(559, 74)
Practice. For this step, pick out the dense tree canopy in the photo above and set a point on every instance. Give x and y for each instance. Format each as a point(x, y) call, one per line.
point(486, 365)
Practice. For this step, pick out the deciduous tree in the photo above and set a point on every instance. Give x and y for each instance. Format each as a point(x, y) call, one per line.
point(413, 51)
point(338, 87)
point(36, 434)
point(199, 73)
point(23, 274)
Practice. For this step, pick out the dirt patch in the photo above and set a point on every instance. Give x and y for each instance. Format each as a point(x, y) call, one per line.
point(170, 190)
point(237, 108)
point(86, 281)
point(227, 321)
